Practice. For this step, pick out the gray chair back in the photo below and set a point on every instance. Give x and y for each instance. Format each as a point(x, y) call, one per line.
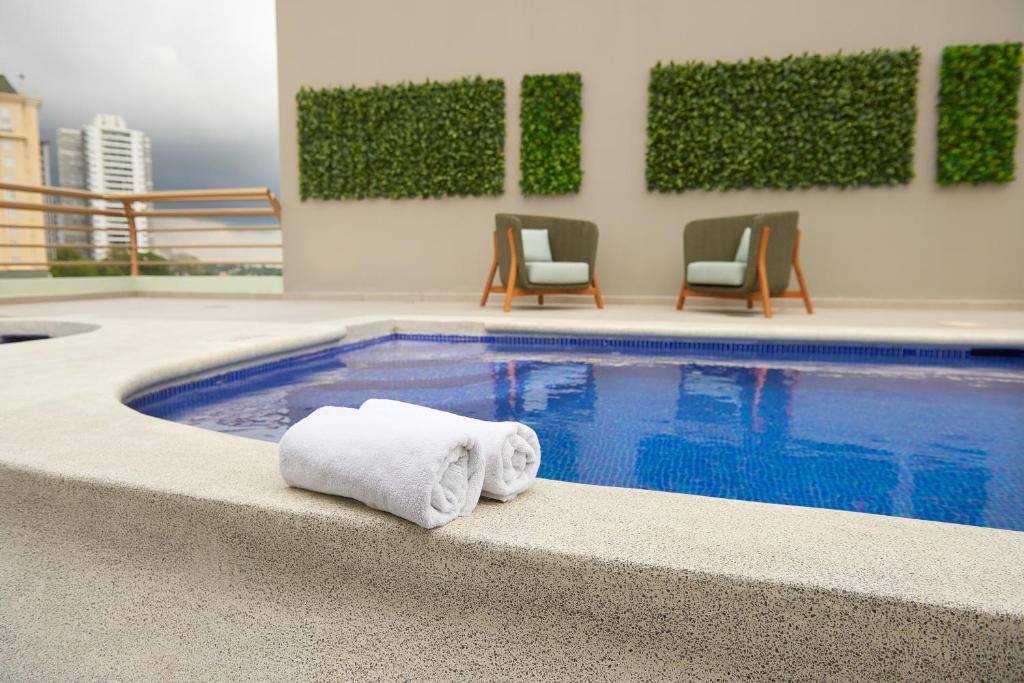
point(716, 239)
point(571, 240)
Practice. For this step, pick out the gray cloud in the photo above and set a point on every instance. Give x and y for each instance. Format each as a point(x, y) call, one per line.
point(198, 76)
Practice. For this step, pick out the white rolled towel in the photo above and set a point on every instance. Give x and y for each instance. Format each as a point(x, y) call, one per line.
point(510, 450)
point(420, 470)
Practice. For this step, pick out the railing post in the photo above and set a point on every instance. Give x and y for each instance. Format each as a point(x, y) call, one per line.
point(275, 204)
point(133, 238)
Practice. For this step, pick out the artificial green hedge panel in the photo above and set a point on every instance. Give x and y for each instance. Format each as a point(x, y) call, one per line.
point(408, 140)
point(840, 120)
point(549, 123)
point(978, 113)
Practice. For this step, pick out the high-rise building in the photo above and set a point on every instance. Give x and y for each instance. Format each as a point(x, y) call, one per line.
point(20, 164)
point(45, 171)
point(106, 156)
point(46, 176)
point(71, 173)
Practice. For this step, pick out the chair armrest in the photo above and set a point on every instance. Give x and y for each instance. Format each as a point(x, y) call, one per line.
point(504, 224)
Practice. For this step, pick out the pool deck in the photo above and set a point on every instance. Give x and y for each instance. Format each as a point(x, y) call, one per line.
point(139, 548)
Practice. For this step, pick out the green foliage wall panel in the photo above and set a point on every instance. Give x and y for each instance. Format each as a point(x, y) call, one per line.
point(839, 120)
point(978, 113)
point(549, 123)
point(408, 140)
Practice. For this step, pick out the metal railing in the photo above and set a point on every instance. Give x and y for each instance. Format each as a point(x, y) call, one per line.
point(129, 210)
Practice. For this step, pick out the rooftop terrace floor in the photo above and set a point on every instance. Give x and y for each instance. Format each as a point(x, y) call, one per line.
point(921, 324)
point(108, 517)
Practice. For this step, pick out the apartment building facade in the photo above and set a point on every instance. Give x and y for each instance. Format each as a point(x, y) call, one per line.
point(105, 156)
point(20, 164)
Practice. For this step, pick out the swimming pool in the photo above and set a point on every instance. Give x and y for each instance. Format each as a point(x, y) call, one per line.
point(928, 433)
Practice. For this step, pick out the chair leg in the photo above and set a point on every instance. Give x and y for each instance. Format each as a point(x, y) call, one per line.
point(597, 292)
point(804, 292)
point(540, 299)
point(508, 299)
point(513, 273)
point(682, 296)
point(750, 303)
point(490, 274)
point(510, 291)
point(762, 272)
point(766, 299)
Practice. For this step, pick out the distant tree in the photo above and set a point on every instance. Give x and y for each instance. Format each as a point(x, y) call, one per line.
point(150, 257)
point(71, 254)
point(111, 269)
point(149, 264)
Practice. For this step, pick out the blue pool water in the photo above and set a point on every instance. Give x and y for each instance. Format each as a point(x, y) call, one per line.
point(927, 434)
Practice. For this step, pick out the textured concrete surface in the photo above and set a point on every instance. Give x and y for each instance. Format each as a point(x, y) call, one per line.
point(79, 287)
point(135, 548)
point(705, 316)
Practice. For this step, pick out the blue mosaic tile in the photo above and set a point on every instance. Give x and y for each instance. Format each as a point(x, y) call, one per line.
point(858, 427)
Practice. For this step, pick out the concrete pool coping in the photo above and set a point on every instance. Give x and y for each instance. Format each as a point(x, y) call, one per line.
point(709, 583)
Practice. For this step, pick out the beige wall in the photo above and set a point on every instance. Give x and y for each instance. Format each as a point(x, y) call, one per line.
point(917, 241)
point(19, 147)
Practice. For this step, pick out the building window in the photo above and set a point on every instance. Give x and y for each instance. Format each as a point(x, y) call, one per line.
point(7, 144)
point(9, 194)
point(5, 119)
point(8, 162)
point(8, 177)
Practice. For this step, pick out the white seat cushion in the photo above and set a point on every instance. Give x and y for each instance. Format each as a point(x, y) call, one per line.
point(723, 273)
point(536, 246)
point(558, 273)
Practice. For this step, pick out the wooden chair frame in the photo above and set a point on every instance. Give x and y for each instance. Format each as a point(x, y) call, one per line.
point(513, 291)
point(762, 281)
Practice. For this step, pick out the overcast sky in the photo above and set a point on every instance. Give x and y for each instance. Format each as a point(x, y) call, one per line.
point(198, 76)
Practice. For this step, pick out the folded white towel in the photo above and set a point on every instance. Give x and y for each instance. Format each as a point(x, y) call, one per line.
point(510, 450)
point(418, 469)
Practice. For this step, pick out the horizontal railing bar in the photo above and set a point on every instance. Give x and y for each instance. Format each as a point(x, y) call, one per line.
point(48, 245)
point(60, 245)
point(199, 213)
point(160, 213)
point(61, 208)
point(69, 228)
point(142, 263)
point(151, 247)
point(244, 194)
point(214, 246)
point(54, 191)
point(237, 228)
point(82, 228)
point(208, 263)
point(71, 263)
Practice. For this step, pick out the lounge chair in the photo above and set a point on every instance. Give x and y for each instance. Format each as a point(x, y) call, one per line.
point(538, 255)
point(743, 257)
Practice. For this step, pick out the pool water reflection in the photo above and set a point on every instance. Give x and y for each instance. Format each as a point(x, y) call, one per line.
point(932, 443)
